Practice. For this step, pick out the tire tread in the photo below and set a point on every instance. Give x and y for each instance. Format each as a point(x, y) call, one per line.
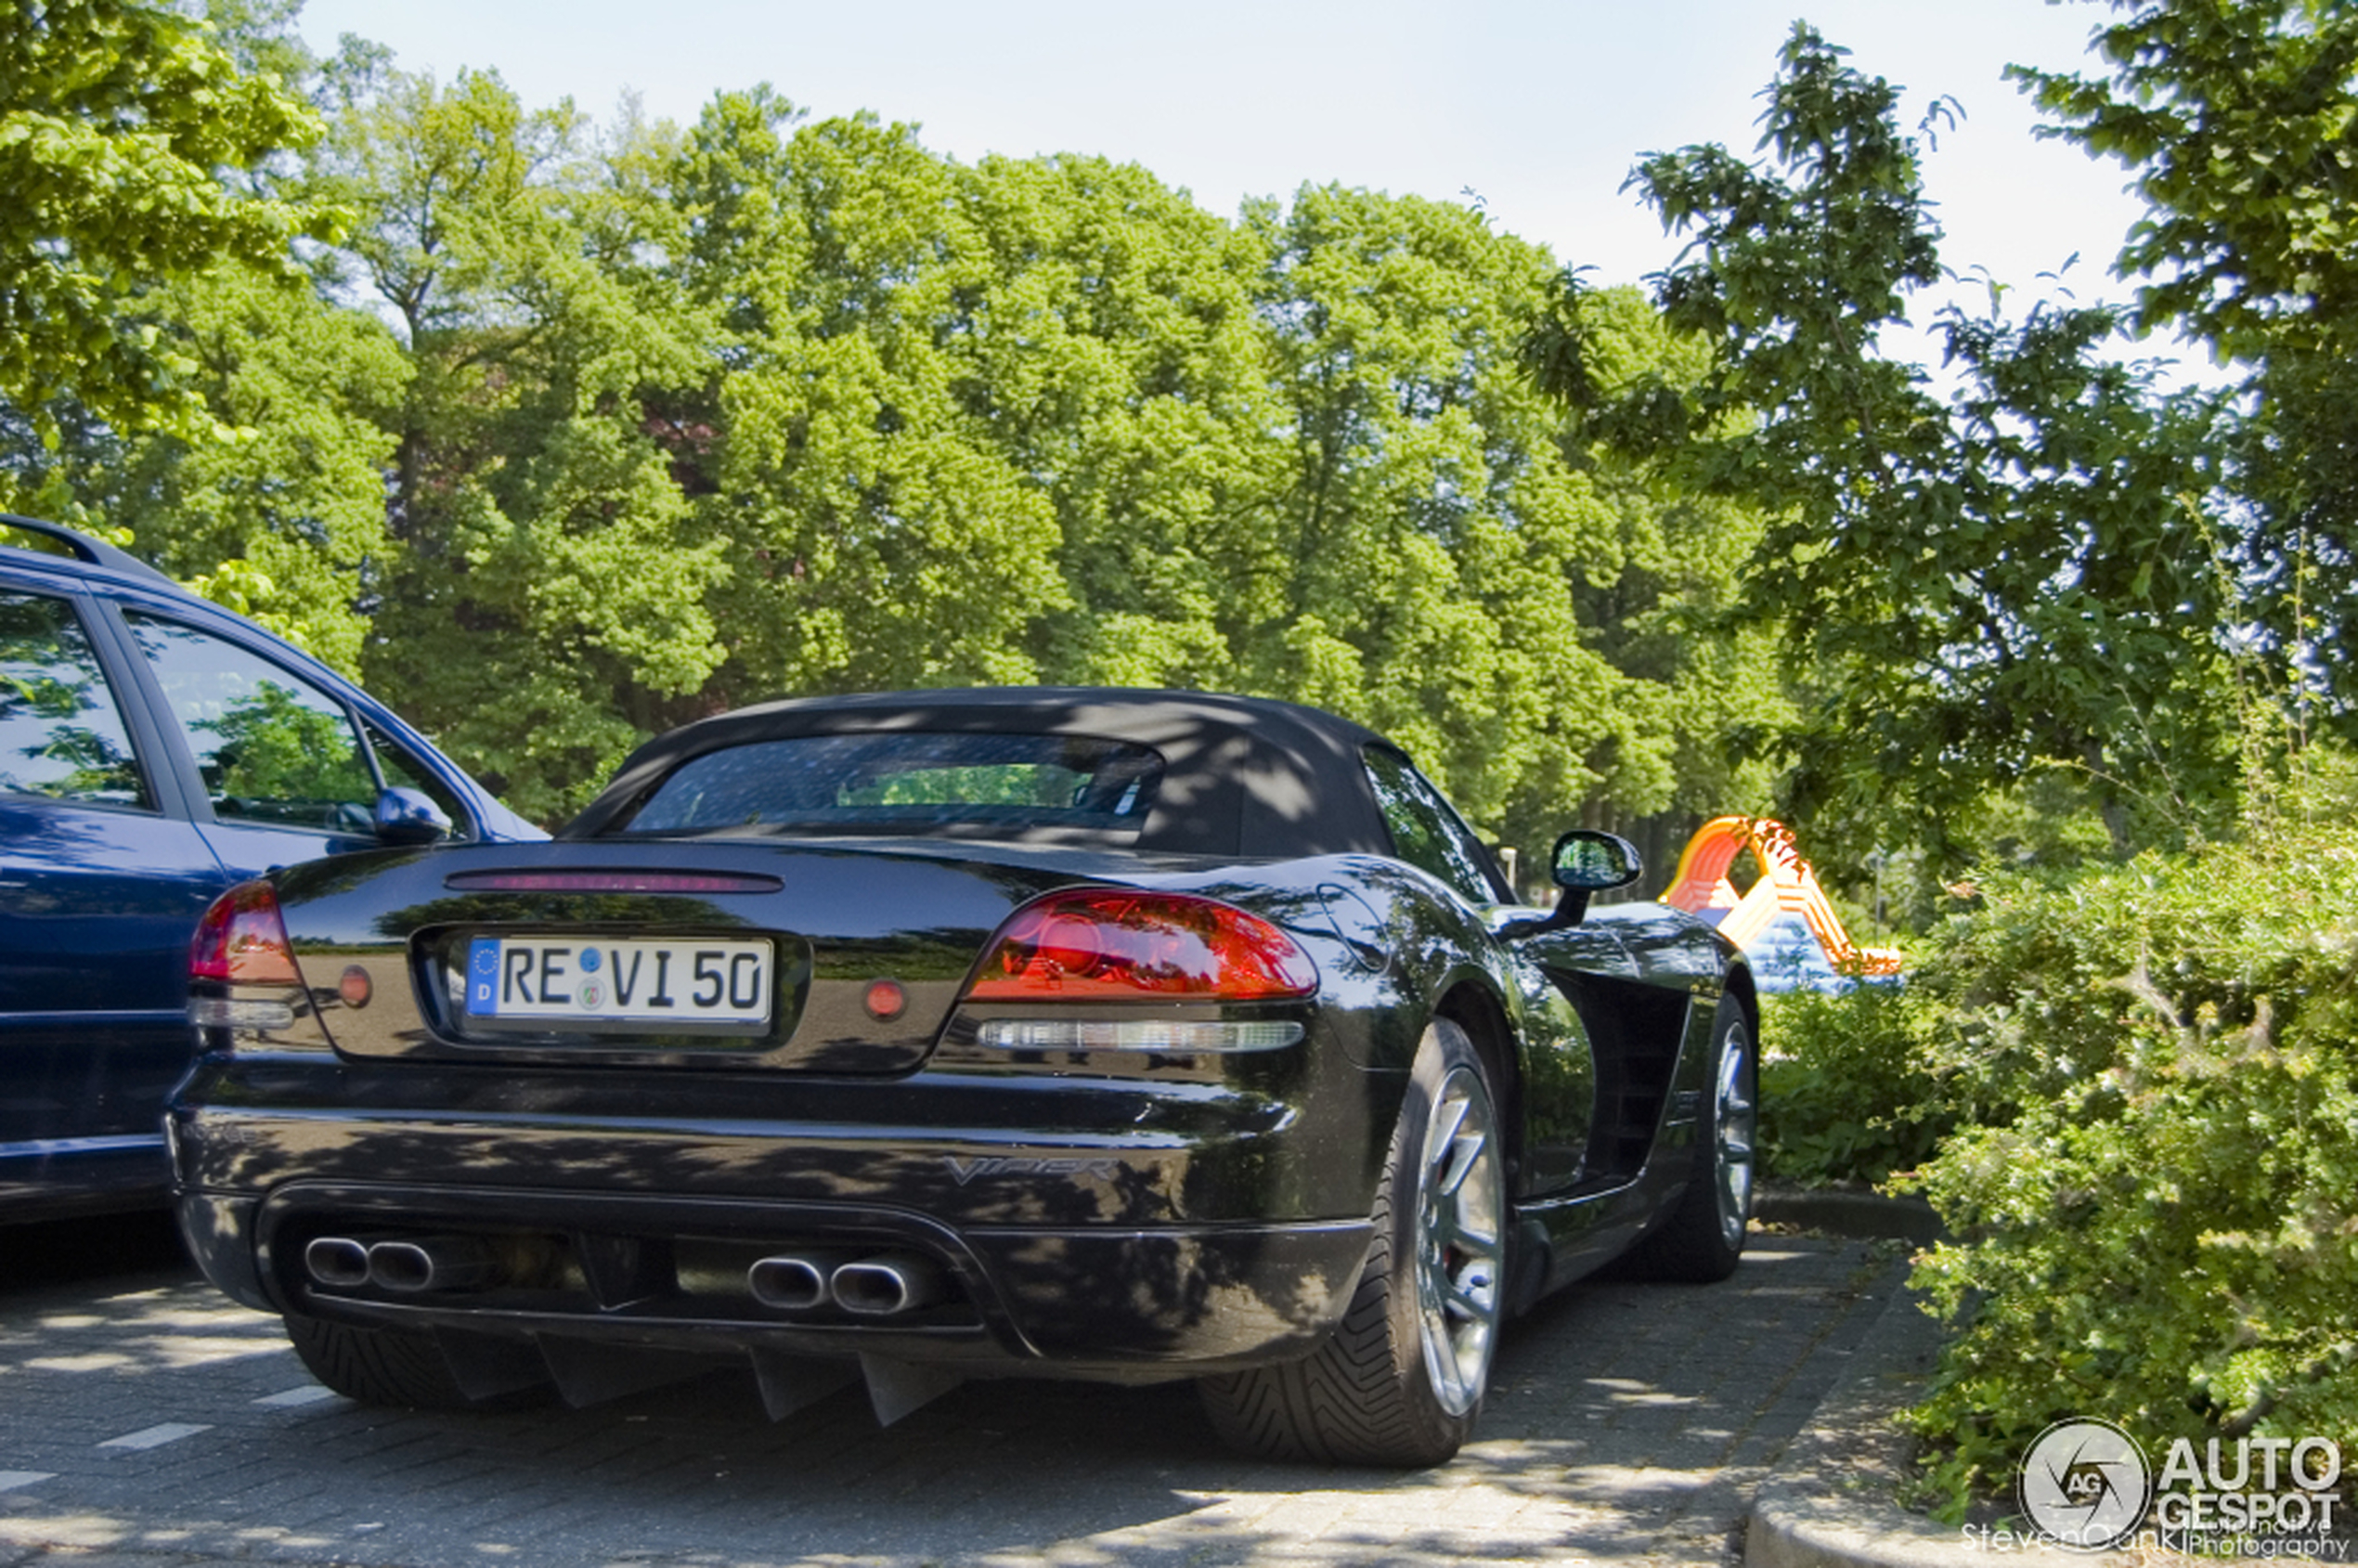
point(377, 1365)
point(1354, 1400)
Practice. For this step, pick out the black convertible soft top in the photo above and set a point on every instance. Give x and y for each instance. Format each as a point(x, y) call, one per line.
point(1243, 776)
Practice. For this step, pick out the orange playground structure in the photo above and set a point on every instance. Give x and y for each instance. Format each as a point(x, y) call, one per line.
point(1787, 886)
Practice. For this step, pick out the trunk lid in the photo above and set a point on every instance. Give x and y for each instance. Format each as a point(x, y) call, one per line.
point(859, 950)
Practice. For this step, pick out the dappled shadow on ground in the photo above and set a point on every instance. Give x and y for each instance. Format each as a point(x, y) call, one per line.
point(1627, 1421)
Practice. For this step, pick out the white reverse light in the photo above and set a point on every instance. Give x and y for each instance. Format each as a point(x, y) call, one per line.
point(221, 1012)
point(1171, 1037)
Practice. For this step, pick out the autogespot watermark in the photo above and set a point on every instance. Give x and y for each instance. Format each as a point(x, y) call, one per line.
point(2085, 1485)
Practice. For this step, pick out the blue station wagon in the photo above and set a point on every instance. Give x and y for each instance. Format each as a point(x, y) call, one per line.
point(155, 749)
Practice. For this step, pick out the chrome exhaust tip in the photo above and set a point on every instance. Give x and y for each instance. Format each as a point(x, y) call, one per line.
point(338, 1261)
point(788, 1283)
point(887, 1284)
point(433, 1263)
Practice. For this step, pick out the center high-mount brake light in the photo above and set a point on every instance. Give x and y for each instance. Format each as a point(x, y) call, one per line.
point(609, 882)
point(1117, 945)
point(242, 941)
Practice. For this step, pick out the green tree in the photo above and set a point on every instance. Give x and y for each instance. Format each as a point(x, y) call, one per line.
point(1114, 347)
point(125, 126)
point(1660, 602)
point(2238, 120)
point(270, 500)
point(1433, 533)
point(1045, 418)
point(2034, 567)
point(879, 535)
point(283, 521)
point(533, 515)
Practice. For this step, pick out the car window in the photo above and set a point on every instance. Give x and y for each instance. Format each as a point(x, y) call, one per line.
point(908, 783)
point(61, 731)
point(271, 746)
point(401, 768)
point(1426, 830)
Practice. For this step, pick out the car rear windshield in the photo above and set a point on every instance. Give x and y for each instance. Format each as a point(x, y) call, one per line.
point(908, 783)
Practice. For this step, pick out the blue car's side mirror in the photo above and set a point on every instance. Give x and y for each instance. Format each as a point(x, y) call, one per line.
point(409, 816)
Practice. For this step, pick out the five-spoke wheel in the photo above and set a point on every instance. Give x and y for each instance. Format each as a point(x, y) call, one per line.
point(1401, 1379)
point(1460, 1225)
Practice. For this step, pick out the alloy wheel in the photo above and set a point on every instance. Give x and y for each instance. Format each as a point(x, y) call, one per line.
point(1734, 1121)
point(1460, 1234)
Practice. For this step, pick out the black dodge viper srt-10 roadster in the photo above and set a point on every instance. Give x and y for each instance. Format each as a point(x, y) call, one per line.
point(1052, 1032)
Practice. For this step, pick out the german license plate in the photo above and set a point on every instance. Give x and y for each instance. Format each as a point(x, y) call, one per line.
point(703, 983)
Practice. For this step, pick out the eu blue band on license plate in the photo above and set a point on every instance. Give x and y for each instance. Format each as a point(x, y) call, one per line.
point(684, 980)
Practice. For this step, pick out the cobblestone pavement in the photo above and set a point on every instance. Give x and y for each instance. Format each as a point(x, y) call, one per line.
point(146, 1421)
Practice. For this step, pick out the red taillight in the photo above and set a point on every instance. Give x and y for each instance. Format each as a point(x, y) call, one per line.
point(1107, 944)
point(242, 941)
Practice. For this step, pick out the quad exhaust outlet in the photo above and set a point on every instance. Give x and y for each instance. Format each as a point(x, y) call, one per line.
point(408, 1265)
point(338, 1260)
point(879, 1285)
point(875, 1284)
point(795, 1282)
point(433, 1263)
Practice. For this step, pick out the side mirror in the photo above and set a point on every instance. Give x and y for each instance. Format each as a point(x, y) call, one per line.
point(410, 816)
point(1587, 861)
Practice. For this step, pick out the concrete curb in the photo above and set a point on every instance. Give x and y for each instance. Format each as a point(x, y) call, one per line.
point(1829, 1503)
point(1856, 1211)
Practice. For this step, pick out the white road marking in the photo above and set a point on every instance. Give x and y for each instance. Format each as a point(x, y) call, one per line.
point(155, 1436)
point(12, 1478)
point(309, 1394)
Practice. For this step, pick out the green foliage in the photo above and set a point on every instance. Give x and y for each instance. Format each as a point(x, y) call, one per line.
point(2234, 116)
point(1845, 1092)
point(880, 534)
point(124, 125)
point(1435, 536)
point(2235, 119)
point(2032, 567)
point(651, 422)
point(1035, 420)
point(2156, 1066)
point(532, 513)
point(284, 521)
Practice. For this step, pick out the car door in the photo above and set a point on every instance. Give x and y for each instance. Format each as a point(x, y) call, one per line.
point(102, 878)
point(284, 765)
point(1560, 1069)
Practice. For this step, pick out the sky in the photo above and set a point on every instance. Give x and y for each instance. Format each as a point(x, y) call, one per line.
point(1539, 110)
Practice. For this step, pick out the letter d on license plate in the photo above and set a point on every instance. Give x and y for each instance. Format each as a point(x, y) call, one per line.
point(707, 983)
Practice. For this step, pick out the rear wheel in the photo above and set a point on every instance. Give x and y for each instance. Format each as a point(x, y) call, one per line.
point(1401, 1381)
point(1704, 1239)
point(377, 1365)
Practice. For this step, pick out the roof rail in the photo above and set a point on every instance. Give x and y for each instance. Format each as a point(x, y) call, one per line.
point(98, 552)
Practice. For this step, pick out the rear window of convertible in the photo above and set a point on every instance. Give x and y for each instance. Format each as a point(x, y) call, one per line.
point(906, 783)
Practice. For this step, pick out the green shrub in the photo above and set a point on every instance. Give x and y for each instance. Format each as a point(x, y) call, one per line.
point(1844, 1094)
point(2154, 1071)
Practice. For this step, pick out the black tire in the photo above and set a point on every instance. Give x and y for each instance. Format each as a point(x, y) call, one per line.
point(1400, 1381)
point(377, 1365)
point(1704, 1239)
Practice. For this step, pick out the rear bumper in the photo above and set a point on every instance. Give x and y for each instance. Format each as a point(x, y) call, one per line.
point(1107, 1301)
point(1100, 1227)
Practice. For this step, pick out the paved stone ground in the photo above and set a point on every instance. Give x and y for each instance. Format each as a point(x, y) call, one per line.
point(147, 1422)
